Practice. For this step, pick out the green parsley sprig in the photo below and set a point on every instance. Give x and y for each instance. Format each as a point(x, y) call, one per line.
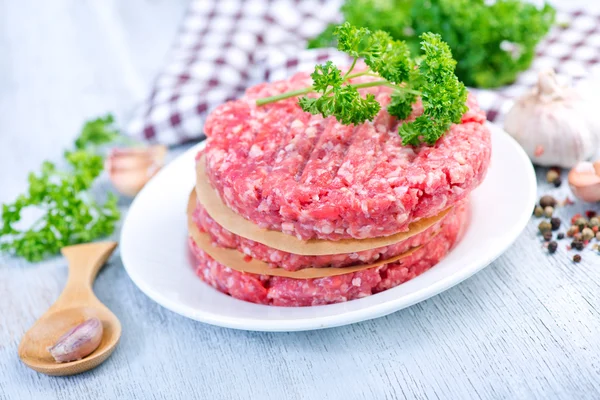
point(429, 76)
point(492, 40)
point(69, 213)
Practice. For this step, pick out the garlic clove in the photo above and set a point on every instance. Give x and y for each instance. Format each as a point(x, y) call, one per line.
point(130, 169)
point(78, 342)
point(135, 158)
point(584, 180)
point(584, 167)
point(129, 183)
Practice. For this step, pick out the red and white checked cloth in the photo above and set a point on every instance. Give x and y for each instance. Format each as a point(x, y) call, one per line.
point(225, 46)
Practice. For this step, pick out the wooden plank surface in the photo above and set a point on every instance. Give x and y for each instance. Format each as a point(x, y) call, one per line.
point(528, 326)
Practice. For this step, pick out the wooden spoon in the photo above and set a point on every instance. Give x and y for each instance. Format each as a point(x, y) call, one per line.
point(76, 304)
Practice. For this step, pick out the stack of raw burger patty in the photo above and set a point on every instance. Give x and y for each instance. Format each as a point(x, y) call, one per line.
point(315, 179)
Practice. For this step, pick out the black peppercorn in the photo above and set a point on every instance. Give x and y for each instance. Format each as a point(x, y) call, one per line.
point(557, 182)
point(560, 236)
point(555, 222)
point(547, 235)
point(577, 245)
point(576, 258)
point(552, 246)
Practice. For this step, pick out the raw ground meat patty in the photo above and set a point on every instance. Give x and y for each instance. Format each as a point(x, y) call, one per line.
point(293, 262)
point(280, 291)
point(287, 170)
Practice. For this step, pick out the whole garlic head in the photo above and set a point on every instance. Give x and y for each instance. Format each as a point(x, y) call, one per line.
point(554, 124)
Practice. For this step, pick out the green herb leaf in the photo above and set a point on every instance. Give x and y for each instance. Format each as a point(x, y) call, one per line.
point(352, 40)
point(69, 214)
point(492, 41)
point(326, 76)
point(442, 94)
point(390, 59)
point(401, 104)
point(325, 38)
point(430, 76)
point(97, 132)
point(345, 103)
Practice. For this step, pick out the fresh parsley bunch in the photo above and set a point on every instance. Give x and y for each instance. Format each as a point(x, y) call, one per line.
point(492, 42)
point(69, 213)
point(429, 76)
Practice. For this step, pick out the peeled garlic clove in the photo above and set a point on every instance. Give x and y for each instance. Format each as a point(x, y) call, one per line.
point(584, 181)
point(130, 169)
point(554, 124)
point(79, 342)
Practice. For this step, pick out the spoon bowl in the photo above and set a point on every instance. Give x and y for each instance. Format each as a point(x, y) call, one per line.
point(76, 304)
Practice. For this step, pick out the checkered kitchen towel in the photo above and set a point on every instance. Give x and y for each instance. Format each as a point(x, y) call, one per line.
point(224, 46)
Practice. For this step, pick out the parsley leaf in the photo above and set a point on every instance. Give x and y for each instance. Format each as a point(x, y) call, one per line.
point(442, 94)
point(69, 213)
point(391, 60)
point(325, 38)
point(492, 41)
point(326, 76)
point(343, 102)
point(430, 77)
point(401, 104)
point(352, 40)
point(97, 132)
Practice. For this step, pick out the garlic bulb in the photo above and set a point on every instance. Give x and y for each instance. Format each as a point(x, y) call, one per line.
point(554, 124)
point(130, 169)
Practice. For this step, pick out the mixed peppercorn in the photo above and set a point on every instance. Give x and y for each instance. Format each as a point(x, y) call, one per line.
point(553, 177)
point(583, 229)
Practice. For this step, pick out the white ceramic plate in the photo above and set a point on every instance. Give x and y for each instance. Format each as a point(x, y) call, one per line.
point(154, 249)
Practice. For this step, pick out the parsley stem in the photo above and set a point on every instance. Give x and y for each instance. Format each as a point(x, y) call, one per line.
point(350, 69)
point(384, 83)
point(363, 73)
point(282, 96)
point(371, 84)
point(403, 89)
point(299, 92)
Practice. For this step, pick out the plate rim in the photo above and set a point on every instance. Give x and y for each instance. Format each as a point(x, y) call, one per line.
point(346, 317)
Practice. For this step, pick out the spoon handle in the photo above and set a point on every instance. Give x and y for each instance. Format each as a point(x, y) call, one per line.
point(85, 260)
